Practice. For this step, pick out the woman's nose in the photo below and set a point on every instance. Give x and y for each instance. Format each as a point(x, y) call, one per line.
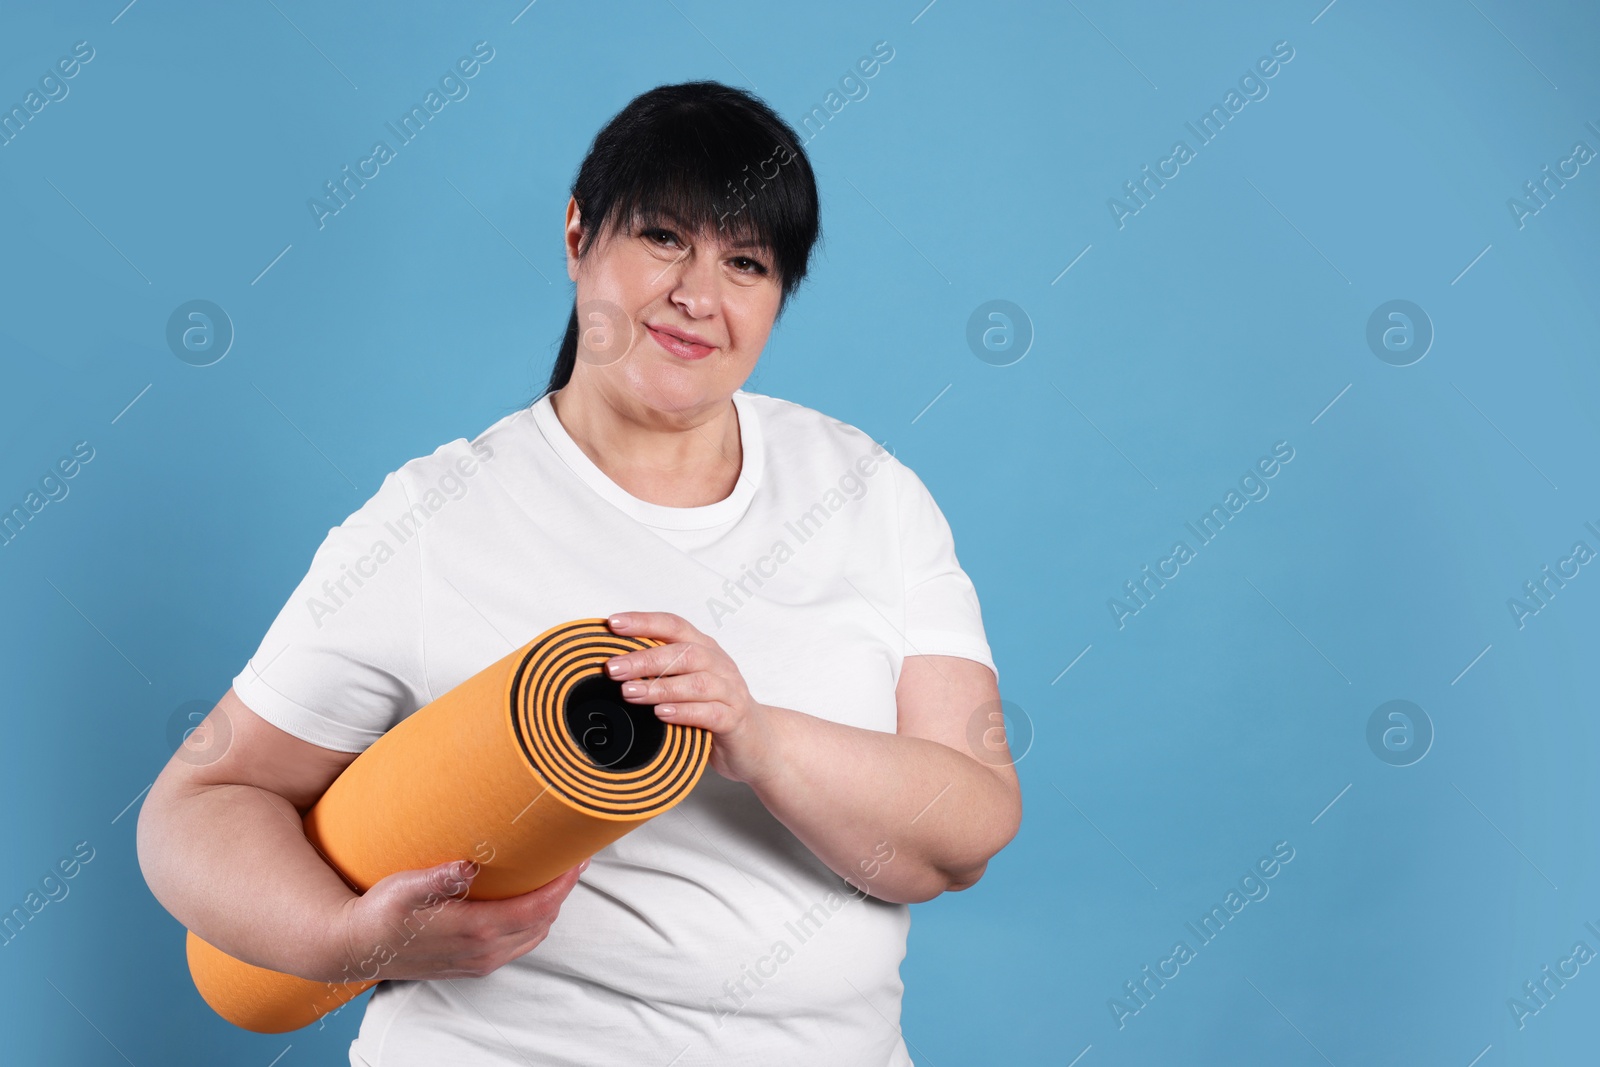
point(694, 284)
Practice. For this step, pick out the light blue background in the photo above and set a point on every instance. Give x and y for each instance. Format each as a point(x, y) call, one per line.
point(1222, 318)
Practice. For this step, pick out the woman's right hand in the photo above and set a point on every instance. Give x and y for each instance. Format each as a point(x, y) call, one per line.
point(419, 924)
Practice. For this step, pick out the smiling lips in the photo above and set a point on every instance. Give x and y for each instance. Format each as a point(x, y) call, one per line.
point(678, 344)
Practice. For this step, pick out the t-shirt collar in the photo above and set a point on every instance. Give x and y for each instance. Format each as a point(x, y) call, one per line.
point(661, 516)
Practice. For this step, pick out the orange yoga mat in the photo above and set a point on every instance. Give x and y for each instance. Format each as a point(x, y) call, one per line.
point(537, 756)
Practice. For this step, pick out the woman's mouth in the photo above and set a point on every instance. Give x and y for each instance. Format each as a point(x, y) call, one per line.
point(677, 345)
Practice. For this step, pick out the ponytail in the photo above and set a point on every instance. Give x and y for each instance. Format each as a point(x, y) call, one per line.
point(561, 373)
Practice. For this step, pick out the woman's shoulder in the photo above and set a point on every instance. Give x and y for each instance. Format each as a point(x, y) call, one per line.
point(456, 462)
point(798, 430)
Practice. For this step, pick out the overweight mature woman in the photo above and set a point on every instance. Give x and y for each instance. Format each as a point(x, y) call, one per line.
point(814, 619)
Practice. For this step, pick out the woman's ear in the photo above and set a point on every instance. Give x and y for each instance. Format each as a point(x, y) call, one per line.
point(573, 237)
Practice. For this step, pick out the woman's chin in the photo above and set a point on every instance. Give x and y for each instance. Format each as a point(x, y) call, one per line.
point(672, 388)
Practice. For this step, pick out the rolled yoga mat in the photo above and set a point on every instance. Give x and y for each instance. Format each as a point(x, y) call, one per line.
point(536, 755)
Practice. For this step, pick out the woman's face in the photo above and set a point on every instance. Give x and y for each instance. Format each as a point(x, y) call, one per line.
point(669, 322)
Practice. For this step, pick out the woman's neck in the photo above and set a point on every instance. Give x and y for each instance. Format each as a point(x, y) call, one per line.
point(690, 464)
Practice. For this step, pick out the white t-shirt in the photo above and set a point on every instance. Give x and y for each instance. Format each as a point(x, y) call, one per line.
point(709, 933)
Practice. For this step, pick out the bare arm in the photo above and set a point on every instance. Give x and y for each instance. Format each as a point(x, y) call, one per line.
point(938, 802)
point(909, 815)
point(223, 848)
point(217, 831)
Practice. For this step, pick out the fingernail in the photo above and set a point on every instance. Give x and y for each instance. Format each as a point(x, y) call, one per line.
point(666, 710)
point(584, 866)
point(617, 621)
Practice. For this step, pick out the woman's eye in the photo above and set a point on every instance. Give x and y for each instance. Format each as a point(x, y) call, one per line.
point(664, 238)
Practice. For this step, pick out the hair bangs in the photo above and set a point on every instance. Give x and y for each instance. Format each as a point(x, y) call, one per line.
point(716, 170)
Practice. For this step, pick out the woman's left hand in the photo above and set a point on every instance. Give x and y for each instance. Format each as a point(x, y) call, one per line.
point(692, 681)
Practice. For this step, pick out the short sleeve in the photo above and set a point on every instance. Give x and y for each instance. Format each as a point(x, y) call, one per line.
point(942, 615)
point(342, 663)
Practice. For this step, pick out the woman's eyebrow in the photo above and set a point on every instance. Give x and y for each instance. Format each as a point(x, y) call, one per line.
point(668, 215)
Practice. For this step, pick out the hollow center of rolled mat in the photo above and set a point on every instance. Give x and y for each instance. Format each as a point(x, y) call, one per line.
point(615, 734)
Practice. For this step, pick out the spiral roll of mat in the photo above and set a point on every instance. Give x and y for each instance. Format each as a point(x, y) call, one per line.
point(529, 766)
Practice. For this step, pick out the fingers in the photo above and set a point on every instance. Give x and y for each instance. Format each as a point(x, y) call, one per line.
point(536, 906)
point(700, 686)
point(714, 716)
point(508, 928)
point(427, 887)
point(662, 625)
point(553, 892)
point(454, 879)
point(400, 928)
point(669, 659)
